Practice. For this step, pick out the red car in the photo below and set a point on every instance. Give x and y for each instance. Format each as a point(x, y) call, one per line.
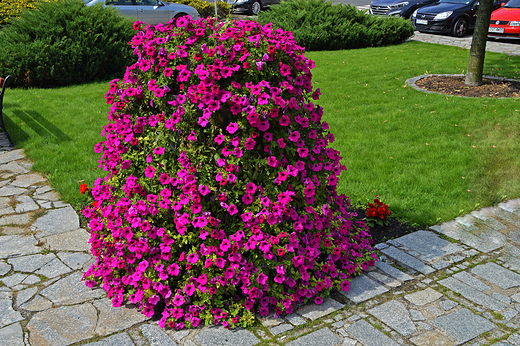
point(505, 22)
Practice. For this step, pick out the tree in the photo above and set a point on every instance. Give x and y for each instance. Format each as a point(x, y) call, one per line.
point(478, 44)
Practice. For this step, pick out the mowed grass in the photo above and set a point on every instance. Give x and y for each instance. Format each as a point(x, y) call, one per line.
point(430, 157)
point(58, 129)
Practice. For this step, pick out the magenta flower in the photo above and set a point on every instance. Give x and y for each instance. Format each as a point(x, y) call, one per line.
point(262, 279)
point(232, 209)
point(232, 128)
point(149, 172)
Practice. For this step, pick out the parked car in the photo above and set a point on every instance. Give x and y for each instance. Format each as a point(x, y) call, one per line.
point(250, 6)
point(397, 7)
point(505, 22)
point(150, 11)
point(448, 16)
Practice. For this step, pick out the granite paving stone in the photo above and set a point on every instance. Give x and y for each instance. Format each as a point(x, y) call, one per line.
point(484, 213)
point(30, 263)
point(368, 335)
point(53, 269)
point(12, 191)
point(156, 335)
point(4, 268)
point(70, 290)
point(440, 264)
point(507, 216)
point(24, 295)
point(510, 262)
point(433, 338)
point(321, 337)
point(501, 298)
point(362, 288)
point(48, 196)
point(423, 297)
point(12, 155)
point(31, 279)
point(472, 294)
point(42, 189)
point(516, 297)
point(220, 336)
point(468, 221)
point(495, 224)
point(26, 180)
point(383, 279)
point(12, 335)
point(57, 221)
point(514, 339)
point(515, 238)
point(13, 167)
point(17, 219)
point(451, 230)
point(181, 334)
point(282, 328)
point(509, 314)
point(14, 279)
point(6, 211)
point(315, 311)
point(74, 260)
point(492, 236)
point(395, 315)
point(511, 206)
point(407, 260)
point(428, 244)
point(114, 319)
point(16, 245)
point(26, 204)
point(394, 272)
point(463, 325)
point(416, 315)
point(121, 339)
point(448, 304)
point(471, 281)
point(38, 303)
point(76, 240)
point(434, 310)
point(63, 326)
point(295, 320)
point(7, 314)
point(498, 275)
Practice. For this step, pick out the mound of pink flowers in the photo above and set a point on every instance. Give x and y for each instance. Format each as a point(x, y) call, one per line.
point(221, 198)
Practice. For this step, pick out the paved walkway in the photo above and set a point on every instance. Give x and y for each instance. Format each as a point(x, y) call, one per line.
point(465, 42)
point(456, 283)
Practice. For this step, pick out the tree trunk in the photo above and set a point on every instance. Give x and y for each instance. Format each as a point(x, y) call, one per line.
point(478, 44)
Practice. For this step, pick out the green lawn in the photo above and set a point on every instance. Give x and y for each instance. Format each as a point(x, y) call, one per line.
point(430, 157)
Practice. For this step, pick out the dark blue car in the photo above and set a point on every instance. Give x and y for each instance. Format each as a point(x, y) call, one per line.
point(448, 16)
point(399, 8)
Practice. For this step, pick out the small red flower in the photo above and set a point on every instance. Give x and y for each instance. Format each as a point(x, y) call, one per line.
point(83, 188)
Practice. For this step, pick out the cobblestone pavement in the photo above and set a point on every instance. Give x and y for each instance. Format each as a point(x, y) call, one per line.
point(457, 283)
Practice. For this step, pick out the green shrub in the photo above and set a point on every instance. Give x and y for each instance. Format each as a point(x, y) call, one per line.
point(320, 25)
point(207, 9)
point(64, 42)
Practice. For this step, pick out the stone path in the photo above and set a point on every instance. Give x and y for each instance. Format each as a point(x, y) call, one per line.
point(457, 283)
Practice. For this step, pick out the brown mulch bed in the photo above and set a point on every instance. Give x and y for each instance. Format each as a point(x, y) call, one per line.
point(454, 85)
point(394, 228)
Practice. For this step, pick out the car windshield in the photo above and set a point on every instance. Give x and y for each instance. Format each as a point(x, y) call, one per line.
point(463, 2)
point(513, 4)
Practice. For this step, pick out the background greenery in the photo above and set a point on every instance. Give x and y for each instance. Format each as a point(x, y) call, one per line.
point(321, 25)
point(430, 157)
point(65, 42)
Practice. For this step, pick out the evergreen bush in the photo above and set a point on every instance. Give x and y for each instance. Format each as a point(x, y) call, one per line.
point(221, 195)
point(65, 42)
point(207, 8)
point(322, 25)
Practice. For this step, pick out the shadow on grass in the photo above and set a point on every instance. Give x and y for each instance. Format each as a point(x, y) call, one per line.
point(37, 122)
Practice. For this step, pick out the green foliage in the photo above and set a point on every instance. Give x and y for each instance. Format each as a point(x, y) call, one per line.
point(207, 9)
point(64, 42)
point(12, 8)
point(321, 25)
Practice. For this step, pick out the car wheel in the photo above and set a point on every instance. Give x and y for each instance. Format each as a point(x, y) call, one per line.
point(460, 27)
point(178, 15)
point(255, 7)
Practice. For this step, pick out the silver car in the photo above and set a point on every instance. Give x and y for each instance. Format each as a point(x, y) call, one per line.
point(150, 11)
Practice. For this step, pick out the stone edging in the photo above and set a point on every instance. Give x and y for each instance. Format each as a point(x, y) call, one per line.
point(411, 82)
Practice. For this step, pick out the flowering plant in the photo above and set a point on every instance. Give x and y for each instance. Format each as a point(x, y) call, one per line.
point(221, 199)
point(377, 213)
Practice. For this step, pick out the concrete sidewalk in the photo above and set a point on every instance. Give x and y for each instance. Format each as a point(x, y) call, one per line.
point(454, 284)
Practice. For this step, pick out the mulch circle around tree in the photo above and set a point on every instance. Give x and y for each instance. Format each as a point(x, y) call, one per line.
point(394, 228)
point(455, 85)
